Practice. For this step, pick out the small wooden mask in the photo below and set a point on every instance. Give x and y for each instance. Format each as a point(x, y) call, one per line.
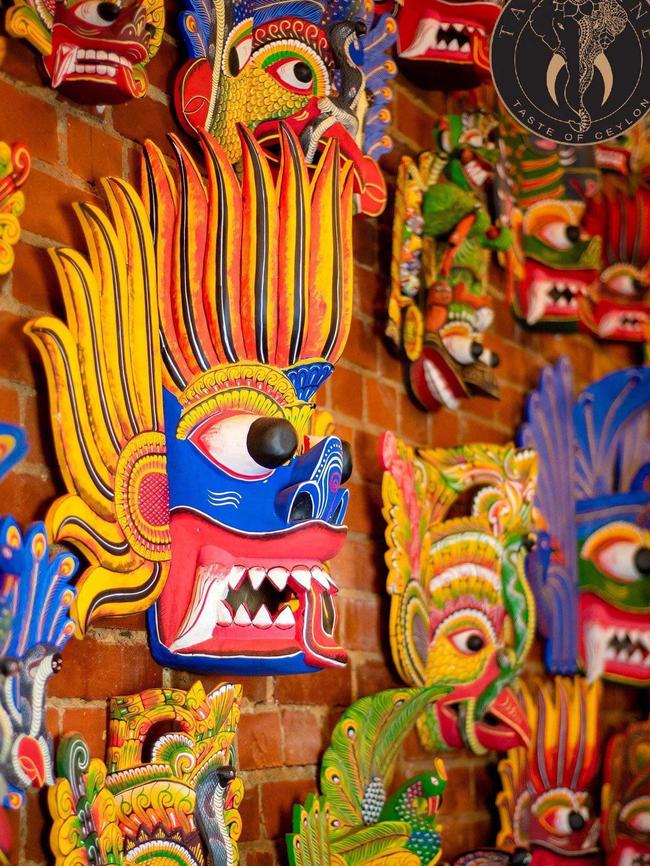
point(15, 164)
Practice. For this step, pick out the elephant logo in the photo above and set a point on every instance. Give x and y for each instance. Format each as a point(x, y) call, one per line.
point(574, 71)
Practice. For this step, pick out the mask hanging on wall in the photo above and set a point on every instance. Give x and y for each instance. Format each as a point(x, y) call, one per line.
point(446, 45)
point(619, 213)
point(35, 596)
point(168, 792)
point(625, 801)
point(322, 68)
point(93, 51)
point(462, 613)
point(192, 465)
point(356, 821)
point(15, 165)
point(540, 193)
point(590, 570)
point(439, 306)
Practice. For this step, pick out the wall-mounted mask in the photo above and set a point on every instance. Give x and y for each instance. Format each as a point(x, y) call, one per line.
point(168, 791)
point(461, 613)
point(439, 307)
point(590, 570)
point(356, 821)
point(443, 44)
point(15, 164)
point(322, 68)
point(546, 805)
point(625, 801)
point(94, 51)
point(619, 307)
point(192, 462)
point(35, 596)
point(555, 260)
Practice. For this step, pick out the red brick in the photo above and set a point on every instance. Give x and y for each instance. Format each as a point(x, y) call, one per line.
point(92, 152)
point(413, 421)
point(446, 429)
point(364, 624)
point(303, 737)
point(365, 241)
point(57, 221)
point(259, 858)
point(381, 403)
point(8, 405)
point(375, 676)
point(144, 118)
point(365, 456)
point(31, 121)
point(36, 843)
point(97, 671)
point(21, 63)
point(369, 293)
point(413, 121)
point(457, 798)
point(14, 358)
point(361, 347)
point(364, 510)
point(260, 741)
point(29, 496)
point(360, 565)
point(34, 280)
point(278, 800)
point(346, 390)
point(250, 812)
point(162, 70)
point(90, 722)
point(254, 687)
point(331, 687)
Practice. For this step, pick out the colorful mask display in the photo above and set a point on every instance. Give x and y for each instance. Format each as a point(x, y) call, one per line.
point(168, 793)
point(93, 51)
point(556, 260)
point(355, 822)
point(625, 801)
point(35, 595)
point(462, 615)
point(444, 44)
point(439, 307)
point(15, 164)
point(193, 466)
point(322, 68)
point(546, 802)
point(619, 308)
point(590, 570)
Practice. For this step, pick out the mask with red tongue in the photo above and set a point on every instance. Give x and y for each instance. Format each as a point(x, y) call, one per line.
point(322, 68)
point(94, 51)
point(460, 605)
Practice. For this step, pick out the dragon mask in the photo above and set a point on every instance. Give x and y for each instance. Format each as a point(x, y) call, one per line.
point(461, 611)
point(182, 405)
point(321, 68)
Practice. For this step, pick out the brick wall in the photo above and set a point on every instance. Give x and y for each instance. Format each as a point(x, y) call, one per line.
point(286, 722)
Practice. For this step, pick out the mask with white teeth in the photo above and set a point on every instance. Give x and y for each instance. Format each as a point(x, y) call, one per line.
point(94, 51)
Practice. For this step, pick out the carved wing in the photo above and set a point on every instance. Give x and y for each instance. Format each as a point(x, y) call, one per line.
point(551, 567)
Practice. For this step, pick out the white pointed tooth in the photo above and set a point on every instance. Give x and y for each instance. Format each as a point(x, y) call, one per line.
point(469, 29)
point(210, 588)
point(444, 25)
point(596, 638)
point(256, 576)
point(236, 576)
point(636, 658)
point(635, 635)
point(453, 45)
point(621, 634)
point(646, 662)
point(285, 619)
point(320, 576)
point(242, 616)
point(262, 618)
point(224, 616)
point(537, 303)
point(302, 575)
point(465, 48)
point(278, 576)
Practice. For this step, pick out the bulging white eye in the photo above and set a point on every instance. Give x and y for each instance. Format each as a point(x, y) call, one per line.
point(102, 14)
point(295, 74)
point(238, 55)
point(622, 560)
point(469, 641)
point(559, 235)
point(623, 284)
point(636, 814)
point(223, 440)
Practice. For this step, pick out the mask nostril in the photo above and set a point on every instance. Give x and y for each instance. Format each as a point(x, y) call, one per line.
point(271, 442)
point(346, 470)
point(302, 508)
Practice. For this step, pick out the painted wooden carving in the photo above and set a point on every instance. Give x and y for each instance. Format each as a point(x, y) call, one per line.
point(445, 44)
point(462, 614)
point(35, 596)
point(250, 286)
point(93, 51)
point(322, 68)
point(555, 260)
point(546, 802)
point(168, 792)
point(355, 821)
point(590, 569)
point(15, 164)
point(625, 800)
point(439, 307)
point(619, 213)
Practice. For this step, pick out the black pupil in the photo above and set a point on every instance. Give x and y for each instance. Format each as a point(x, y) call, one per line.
point(233, 61)
point(302, 72)
point(573, 233)
point(474, 643)
point(108, 11)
